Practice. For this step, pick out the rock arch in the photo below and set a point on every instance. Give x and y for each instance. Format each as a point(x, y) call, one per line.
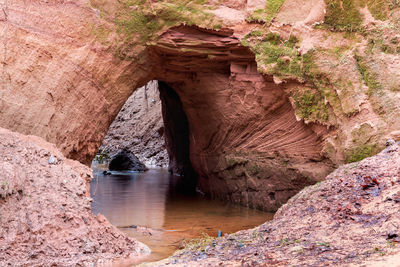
point(245, 142)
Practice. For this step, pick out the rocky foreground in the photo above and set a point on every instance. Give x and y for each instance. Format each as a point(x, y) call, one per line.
point(45, 215)
point(351, 219)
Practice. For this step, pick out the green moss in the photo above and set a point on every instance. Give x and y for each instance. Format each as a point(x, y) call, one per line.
point(310, 105)
point(256, 33)
point(137, 22)
point(279, 57)
point(361, 152)
point(133, 22)
point(377, 8)
point(198, 244)
point(381, 8)
point(343, 15)
point(217, 26)
point(267, 14)
point(376, 42)
point(292, 41)
point(258, 15)
point(101, 33)
point(370, 77)
point(272, 7)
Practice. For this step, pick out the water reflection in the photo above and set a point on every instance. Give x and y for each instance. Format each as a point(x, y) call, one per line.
point(133, 199)
point(164, 219)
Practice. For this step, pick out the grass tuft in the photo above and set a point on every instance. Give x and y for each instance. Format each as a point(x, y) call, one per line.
point(198, 244)
point(267, 14)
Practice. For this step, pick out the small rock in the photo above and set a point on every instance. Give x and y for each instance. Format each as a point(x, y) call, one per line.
point(296, 249)
point(52, 160)
point(390, 142)
point(392, 235)
point(277, 80)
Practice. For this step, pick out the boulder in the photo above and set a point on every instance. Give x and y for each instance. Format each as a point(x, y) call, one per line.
point(124, 160)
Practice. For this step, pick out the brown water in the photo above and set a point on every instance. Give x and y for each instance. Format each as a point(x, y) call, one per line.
point(142, 206)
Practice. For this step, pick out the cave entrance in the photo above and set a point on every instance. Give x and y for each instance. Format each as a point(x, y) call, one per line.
point(151, 128)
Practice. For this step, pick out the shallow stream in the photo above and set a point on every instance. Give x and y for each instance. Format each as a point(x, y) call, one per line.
point(143, 206)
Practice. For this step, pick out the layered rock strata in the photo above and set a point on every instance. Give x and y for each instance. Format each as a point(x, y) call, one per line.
point(245, 142)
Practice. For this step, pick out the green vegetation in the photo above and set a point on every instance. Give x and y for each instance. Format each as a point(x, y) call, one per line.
point(137, 22)
point(361, 152)
point(137, 17)
point(267, 14)
point(280, 58)
point(383, 45)
point(277, 55)
point(310, 104)
point(380, 8)
point(101, 33)
point(102, 156)
point(343, 15)
point(375, 88)
point(370, 77)
point(323, 244)
point(377, 8)
point(198, 244)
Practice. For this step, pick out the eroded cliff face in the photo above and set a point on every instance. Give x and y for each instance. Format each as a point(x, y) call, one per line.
point(271, 108)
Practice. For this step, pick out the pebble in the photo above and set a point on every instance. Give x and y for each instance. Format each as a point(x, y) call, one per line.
point(390, 142)
point(52, 160)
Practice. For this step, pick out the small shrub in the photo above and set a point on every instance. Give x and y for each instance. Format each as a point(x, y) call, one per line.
point(198, 244)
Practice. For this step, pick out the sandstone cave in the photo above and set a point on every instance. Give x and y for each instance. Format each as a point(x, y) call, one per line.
point(278, 108)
